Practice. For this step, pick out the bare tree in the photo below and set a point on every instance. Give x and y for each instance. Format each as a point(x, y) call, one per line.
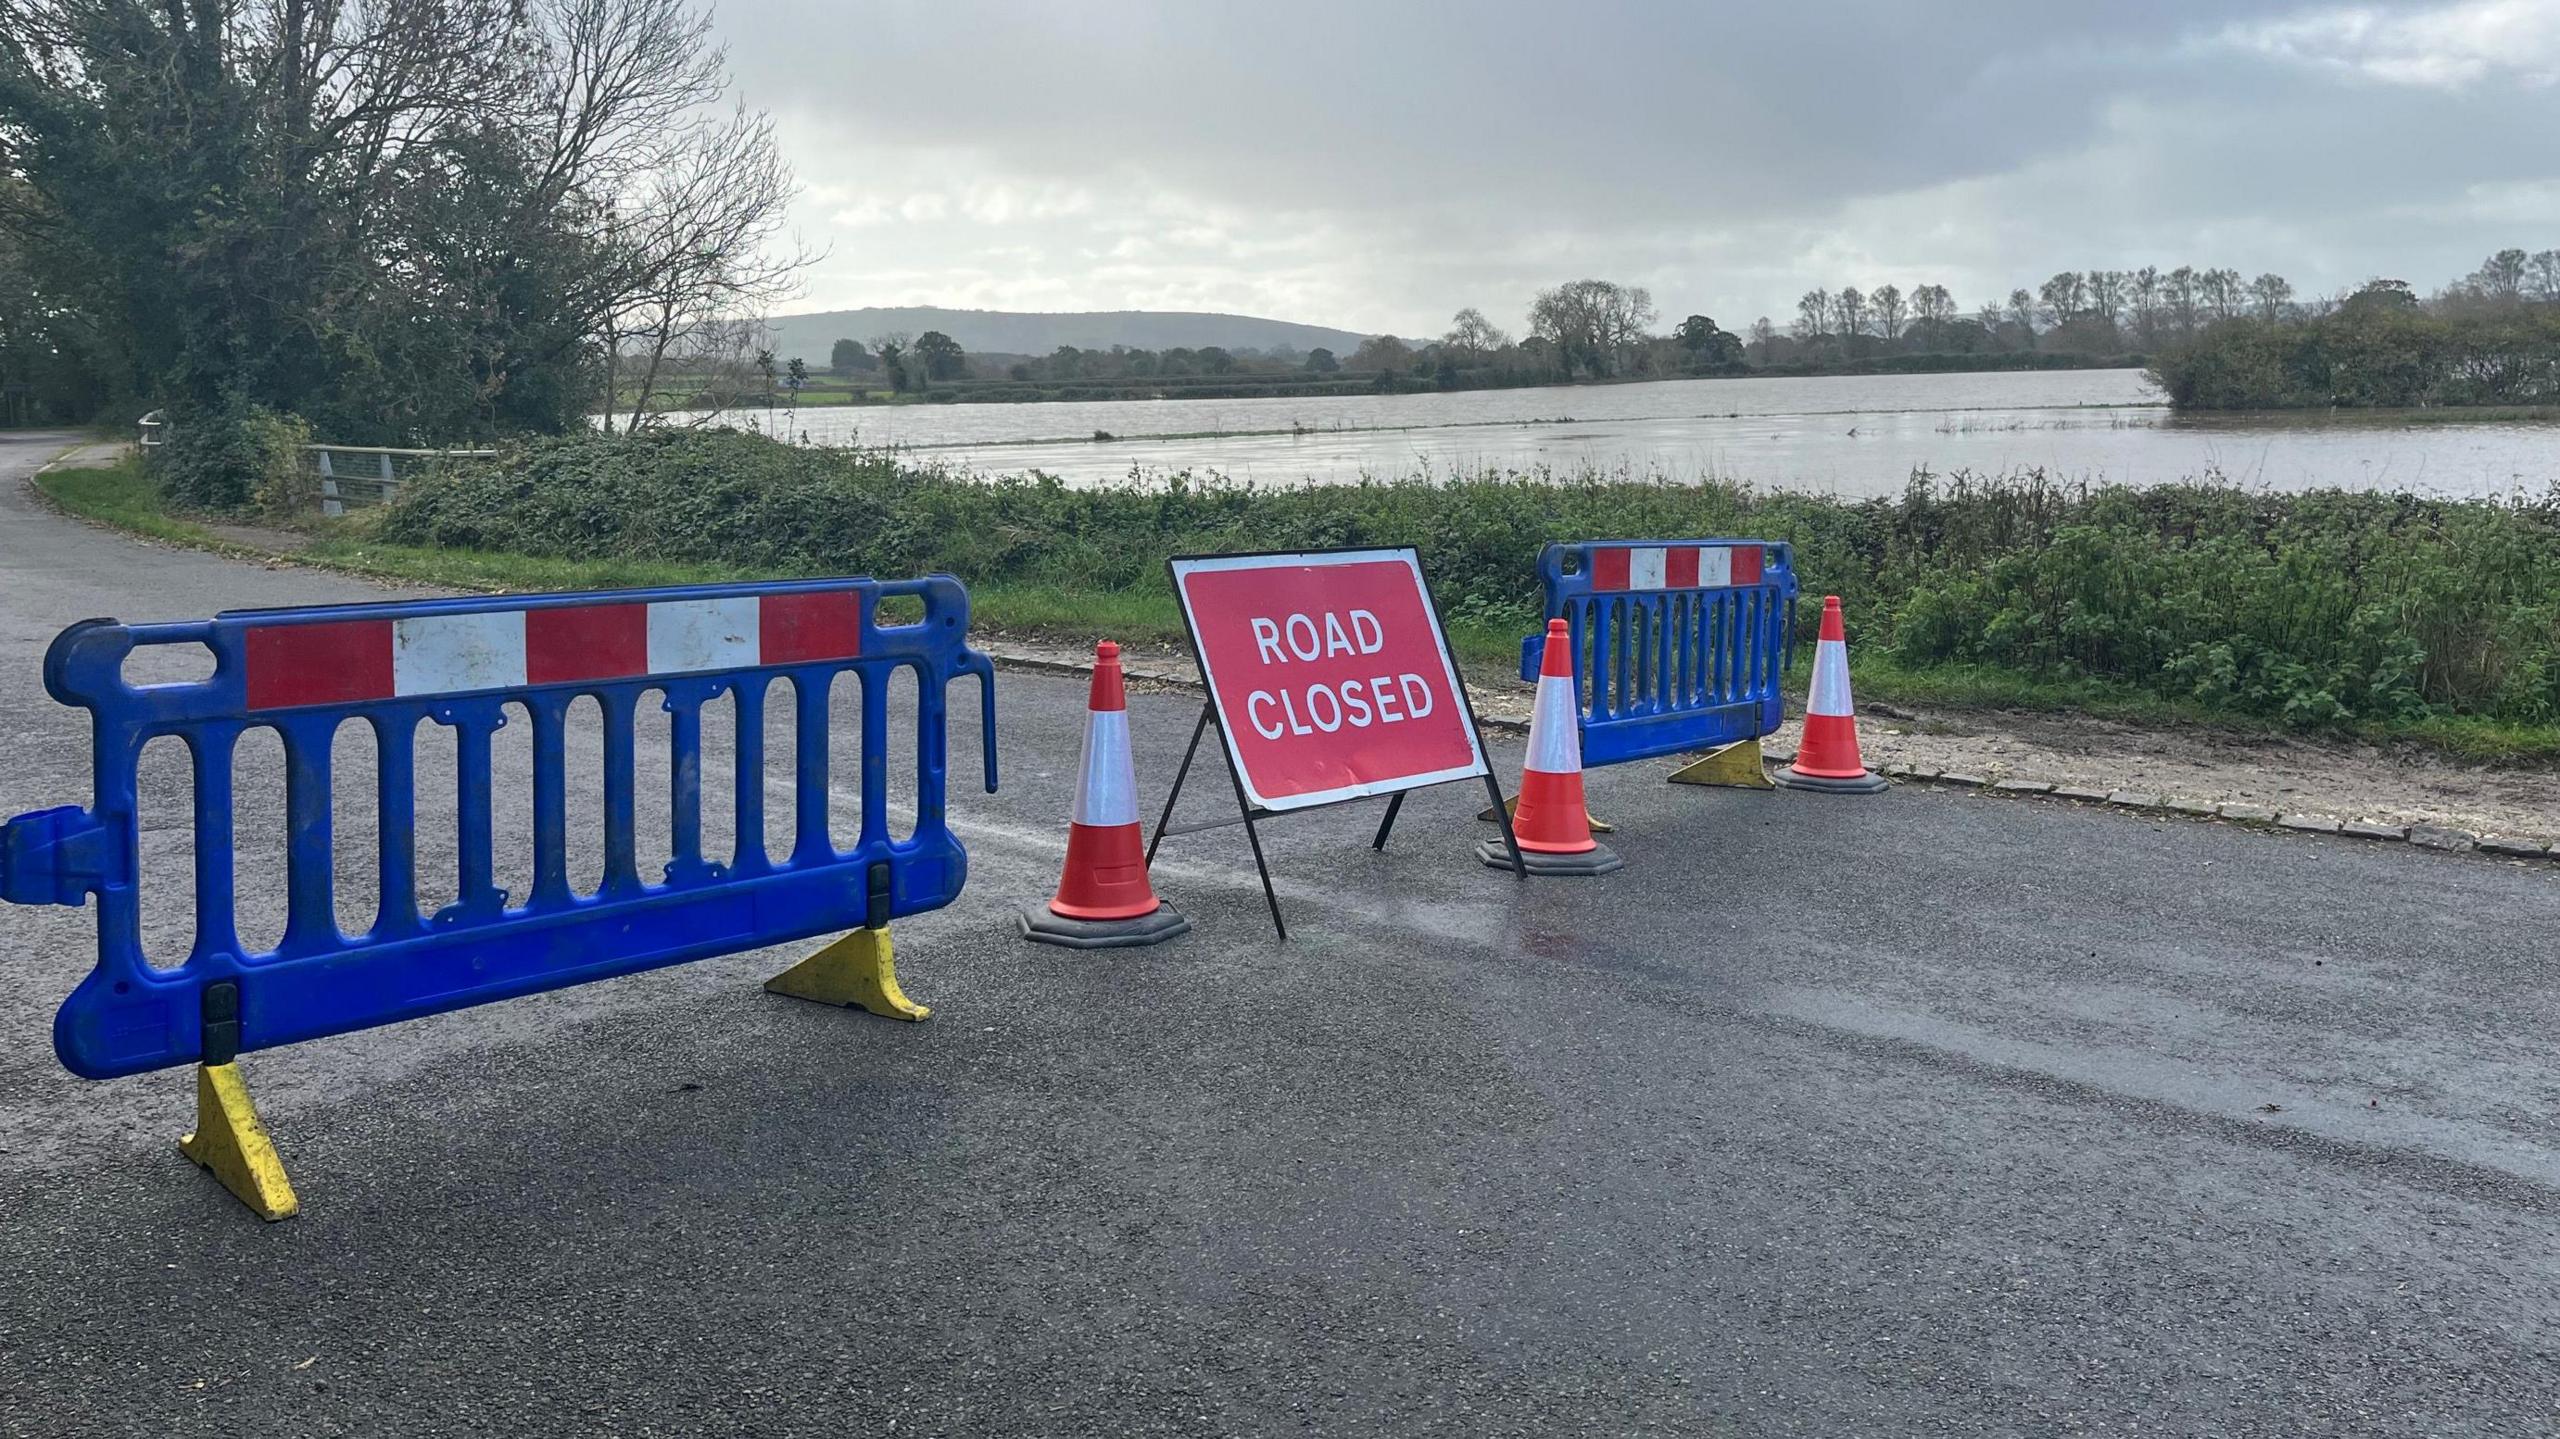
point(687, 195)
point(2183, 294)
point(2542, 276)
point(2106, 295)
point(2222, 293)
point(1890, 310)
point(1813, 315)
point(2022, 313)
point(1473, 336)
point(2142, 300)
point(1849, 312)
point(2066, 297)
point(2273, 293)
point(1932, 305)
point(1764, 338)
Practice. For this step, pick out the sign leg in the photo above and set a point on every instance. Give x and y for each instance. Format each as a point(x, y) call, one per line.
point(1502, 814)
point(1395, 802)
point(1253, 837)
point(1179, 776)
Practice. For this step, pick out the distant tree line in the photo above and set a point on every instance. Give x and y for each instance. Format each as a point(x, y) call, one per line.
point(1601, 330)
point(2491, 338)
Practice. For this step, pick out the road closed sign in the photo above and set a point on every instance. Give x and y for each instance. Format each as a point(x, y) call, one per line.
point(1329, 673)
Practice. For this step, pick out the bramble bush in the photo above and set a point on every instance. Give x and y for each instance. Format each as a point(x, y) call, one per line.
point(231, 459)
point(2313, 609)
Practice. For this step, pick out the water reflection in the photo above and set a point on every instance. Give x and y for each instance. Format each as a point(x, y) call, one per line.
point(1860, 435)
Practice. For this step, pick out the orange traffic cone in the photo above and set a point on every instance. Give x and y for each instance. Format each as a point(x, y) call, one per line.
point(1828, 760)
point(1103, 899)
point(1551, 825)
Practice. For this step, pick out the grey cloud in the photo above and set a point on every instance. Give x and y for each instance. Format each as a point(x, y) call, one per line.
point(1378, 166)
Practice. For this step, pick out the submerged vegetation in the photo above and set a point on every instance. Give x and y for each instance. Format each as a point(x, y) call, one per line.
point(2327, 609)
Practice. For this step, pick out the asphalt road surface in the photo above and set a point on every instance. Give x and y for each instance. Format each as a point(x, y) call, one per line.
point(1921, 1114)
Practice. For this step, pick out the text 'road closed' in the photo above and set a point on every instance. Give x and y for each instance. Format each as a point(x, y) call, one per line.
point(1329, 673)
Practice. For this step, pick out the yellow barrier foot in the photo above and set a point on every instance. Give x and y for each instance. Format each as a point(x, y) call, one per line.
point(1512, 806)
point(1737, 765)
point(231, 1143)
point(856, 970)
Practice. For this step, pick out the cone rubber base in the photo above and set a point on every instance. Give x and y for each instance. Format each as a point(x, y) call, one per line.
point(1512, 806)
point(1599, 859)
point(1043, 926)
point(1868, 783)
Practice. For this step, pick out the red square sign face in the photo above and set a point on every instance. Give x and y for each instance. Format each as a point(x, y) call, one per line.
point(1330, 674)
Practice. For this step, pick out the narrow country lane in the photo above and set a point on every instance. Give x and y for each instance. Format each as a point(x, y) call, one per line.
point(1919, 1114)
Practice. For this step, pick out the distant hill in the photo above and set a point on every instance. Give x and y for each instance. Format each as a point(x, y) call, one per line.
point(1017, 332)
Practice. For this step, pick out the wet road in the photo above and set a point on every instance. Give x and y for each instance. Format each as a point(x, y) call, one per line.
point(1927, 1114)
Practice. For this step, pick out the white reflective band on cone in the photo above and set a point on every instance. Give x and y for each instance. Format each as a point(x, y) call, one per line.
point(1830, 680)
point(1555, 742)
point(1108, 792)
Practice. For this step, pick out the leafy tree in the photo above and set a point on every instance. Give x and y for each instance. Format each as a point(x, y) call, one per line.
point(2066, 298)
point(1383, 353)
point(1320, 361)
point(2272, 293)
point(409, 219)
point(847, 357)
point(1706, 344)
point(941, 356)
point(1592, 323)
point(2500, 278)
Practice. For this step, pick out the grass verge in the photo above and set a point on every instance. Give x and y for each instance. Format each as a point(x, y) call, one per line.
point(1487, 646)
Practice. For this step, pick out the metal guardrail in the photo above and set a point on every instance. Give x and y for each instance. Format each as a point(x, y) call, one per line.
point(362, 475)
point(349, 475)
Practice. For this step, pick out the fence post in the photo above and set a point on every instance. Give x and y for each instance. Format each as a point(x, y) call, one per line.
point(329, 499)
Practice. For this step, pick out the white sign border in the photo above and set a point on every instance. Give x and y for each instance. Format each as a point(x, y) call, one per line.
point(1186, 566)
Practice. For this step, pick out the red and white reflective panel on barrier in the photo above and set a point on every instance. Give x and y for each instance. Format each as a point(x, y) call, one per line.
point(1330, 674)
point(343, 661)
point(1674, 567)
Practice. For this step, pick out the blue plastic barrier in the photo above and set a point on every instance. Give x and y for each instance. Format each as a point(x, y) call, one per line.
point(1678, 644)
point(457, 663)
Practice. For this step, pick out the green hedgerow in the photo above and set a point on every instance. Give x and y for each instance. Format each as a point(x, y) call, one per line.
point(2313, 609)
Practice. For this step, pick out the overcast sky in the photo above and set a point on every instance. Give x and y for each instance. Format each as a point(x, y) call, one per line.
point(1376, 166)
